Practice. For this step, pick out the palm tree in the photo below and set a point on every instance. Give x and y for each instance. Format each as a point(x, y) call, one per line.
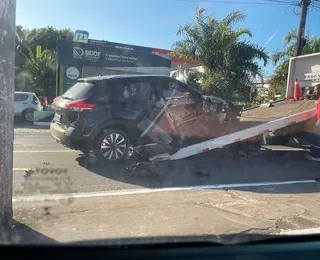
point(312, 45)
point(229, 61)
point(42, 69)
point(37, 73)
point(23, 44)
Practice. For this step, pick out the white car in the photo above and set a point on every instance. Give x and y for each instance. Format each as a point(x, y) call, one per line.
point(25, 103)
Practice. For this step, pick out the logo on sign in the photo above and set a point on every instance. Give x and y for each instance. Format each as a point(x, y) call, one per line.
point(314, 75)
point(92, 55)
point(81, 36)
point(72, 73)
point(77, 53)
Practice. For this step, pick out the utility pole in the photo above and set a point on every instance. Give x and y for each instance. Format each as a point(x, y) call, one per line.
point(7, 56)
point(302, 25)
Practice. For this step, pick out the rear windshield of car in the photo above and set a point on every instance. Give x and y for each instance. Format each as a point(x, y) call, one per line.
point(80, 90)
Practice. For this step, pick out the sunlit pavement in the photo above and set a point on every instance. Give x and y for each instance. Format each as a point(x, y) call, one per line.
point(58, 198)
point(258, 210)
point(60, 170)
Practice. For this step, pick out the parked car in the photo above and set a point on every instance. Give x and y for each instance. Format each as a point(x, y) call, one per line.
point(25, 103)
point(108, 114)
point(43, 101)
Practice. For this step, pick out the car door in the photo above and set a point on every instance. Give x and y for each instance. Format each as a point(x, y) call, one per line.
point(140, 94)
point(178, 94)
point(129, 98)
point(183, 106)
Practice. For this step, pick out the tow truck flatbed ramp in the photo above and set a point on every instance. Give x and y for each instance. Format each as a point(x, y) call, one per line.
point(254, 122)
point(282, 109)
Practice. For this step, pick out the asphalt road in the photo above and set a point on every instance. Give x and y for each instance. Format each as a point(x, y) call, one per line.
point(60, 170)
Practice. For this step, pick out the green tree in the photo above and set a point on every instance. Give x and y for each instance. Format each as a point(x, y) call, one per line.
point(42, 69)
point(23, 44)
point(37, 73)
point(229, 61)
point(45, 37)
point(278, 81)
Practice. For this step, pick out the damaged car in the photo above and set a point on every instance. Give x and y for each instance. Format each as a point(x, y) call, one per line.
point(152, 114)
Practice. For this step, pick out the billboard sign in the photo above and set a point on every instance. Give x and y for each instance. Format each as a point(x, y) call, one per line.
point(75, 57)
point(121, 46)
point(102, 56)
point(131, 47)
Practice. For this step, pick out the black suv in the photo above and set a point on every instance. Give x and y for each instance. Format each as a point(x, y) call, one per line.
point(110, 114)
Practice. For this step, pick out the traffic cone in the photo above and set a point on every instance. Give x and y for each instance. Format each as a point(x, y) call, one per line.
point(297, 94)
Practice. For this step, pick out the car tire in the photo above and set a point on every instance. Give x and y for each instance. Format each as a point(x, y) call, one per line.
point(28, 115)
point(112, 146)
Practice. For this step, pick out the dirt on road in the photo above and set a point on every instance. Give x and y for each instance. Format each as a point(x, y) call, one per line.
point(269, 209)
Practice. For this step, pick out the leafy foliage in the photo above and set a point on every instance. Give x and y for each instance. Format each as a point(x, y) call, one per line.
point(42, 69)
point(278, 81)
point(37, 73)
point(230, 62)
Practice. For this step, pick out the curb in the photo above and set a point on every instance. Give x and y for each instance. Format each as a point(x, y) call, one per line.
point(55, 197)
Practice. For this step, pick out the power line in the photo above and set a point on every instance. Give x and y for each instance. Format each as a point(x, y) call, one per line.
point(283, 1)
point(296, 9)
point(265, 2)
point(315, 6)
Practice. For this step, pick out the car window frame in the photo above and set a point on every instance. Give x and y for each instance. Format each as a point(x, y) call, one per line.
point(95, 84)
point(97, 94)
point(20, 94)
point(35, 98)
point(193, 92)
point(150, 91)
point(111, 82)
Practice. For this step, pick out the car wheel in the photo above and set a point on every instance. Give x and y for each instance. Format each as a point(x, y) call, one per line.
point(28, 115)
point(112, 146)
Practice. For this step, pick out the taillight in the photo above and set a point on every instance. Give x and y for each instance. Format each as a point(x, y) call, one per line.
point(55, 99)
point(80, 105)
point(35, 102)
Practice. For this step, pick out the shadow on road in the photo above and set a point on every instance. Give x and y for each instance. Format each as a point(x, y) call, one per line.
point(218, 168)
point(26, 125)
point(23, 235)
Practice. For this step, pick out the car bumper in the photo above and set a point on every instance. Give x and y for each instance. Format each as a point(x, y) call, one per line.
point(70, 137)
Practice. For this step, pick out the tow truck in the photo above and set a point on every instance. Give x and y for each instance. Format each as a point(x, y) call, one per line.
point(275, 122)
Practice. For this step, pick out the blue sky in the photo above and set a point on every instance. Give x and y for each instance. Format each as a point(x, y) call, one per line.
point(154, 23)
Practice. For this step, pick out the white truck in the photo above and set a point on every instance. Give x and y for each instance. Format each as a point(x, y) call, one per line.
point(281, 121)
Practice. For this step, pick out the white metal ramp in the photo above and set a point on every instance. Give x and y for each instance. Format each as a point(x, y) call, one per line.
point(295, 113)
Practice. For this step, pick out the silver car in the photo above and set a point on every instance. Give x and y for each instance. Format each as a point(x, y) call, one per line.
point(25, 103)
